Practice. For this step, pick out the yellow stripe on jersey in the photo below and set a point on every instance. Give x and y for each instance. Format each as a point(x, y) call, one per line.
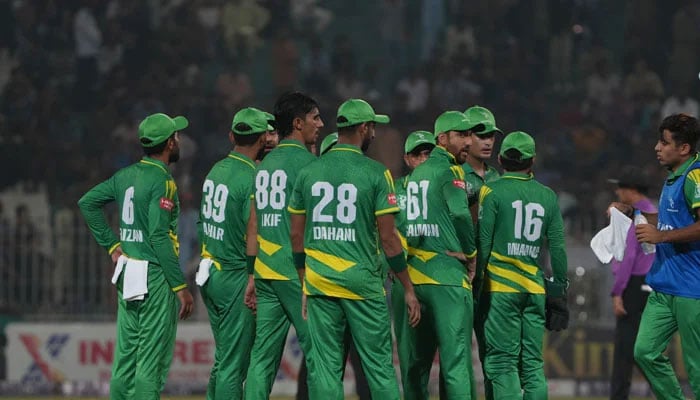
point(385, 211)
point(266, 272)
point(495, 286)
point(333, 262)
point(267, 246)
point(466, 284)
point(485, 191)
point(170, 189)
point(458, 171)
point(295, 211)
point(529, 285)
point(327, 287)
point(154, 164)
point(530, 269)
point(404, 242)
point(389, 180)
point(419, 278)
point(694, 176)
point(175, 242)
point(207, 254)
point(422, 255)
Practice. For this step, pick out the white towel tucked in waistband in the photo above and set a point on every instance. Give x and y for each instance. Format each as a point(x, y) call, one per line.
point(135, 284)
point(203, 271)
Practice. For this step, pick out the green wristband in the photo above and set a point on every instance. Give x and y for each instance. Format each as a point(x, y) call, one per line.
point(397, 263)
point(250, 264)
point(299, 260)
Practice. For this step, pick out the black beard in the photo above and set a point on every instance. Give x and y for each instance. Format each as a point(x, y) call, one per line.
point(365, 144)
point(261, 154)
point(174, 157)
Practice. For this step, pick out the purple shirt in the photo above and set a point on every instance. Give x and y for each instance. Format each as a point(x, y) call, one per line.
point(635, 262)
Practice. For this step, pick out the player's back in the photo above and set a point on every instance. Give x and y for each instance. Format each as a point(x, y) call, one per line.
point(521, 212)
point(225, 210)
point(341, 194)
point(138, 189)
point(274, 182)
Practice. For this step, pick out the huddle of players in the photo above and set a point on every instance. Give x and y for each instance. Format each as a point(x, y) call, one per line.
point(313, 260)
point(306, 241)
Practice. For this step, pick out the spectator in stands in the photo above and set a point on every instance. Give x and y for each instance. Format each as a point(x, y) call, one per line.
point(680, 101)
point(88, 42)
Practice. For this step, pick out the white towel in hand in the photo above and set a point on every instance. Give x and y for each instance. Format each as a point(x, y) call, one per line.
point(203, 271)
point(611, 241)
point(135, 280)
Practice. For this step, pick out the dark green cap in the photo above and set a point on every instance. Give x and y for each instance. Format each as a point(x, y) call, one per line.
point(520, 141)
point(418, 138)
point(481, 115)
point(257, 121)
point(451, 121)
point(357, 111)
point(157, 128)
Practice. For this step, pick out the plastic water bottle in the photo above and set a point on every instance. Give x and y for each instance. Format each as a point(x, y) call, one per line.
point(639, 218)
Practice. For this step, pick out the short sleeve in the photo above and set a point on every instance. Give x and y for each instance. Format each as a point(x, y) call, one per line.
point(691, 188)
point(385, 201)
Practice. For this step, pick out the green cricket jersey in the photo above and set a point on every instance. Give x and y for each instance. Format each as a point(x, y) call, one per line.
point(341, 194)
point(225, 211)
point(475, 181)
point(516, 214)
point(148, 205)
point(437, 221)
point(274, 182)
point(400, 219)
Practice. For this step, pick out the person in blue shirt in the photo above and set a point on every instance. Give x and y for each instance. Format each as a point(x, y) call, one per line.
point(674, 304)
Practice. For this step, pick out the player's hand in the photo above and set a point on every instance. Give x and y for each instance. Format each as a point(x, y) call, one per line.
point(303, 306)
point(186, 303)
point(624, 208)
point(250, 299)
point(413, 307)
point(469, 262)
point(116, 254)
point(619, 307)
point(648, 233)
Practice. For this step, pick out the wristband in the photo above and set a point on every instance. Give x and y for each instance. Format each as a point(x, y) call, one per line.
point(397, 263)
point(299, 260)
point(250, 264)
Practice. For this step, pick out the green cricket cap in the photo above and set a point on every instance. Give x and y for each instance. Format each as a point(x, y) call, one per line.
point(418, 138)
point(257, 121)
point(520, 141)
point(157, 128)
point(328, 142)
point(481, 115)
point(451, 121)
point(357, 111)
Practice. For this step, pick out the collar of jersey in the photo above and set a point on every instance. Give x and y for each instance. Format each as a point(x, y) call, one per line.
point(291, 143)
point(156, 163)
point(242, 158)
point(518, 175)
point(346, 147)
point(442, 152)
point(681, 170)
point(468, 168)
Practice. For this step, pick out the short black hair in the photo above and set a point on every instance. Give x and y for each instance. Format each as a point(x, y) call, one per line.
point(289, 106)
point(157, 149)
point(510, 161)
point(684, 129)
point(245, 140)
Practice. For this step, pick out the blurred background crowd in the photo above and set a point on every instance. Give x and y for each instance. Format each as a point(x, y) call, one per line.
point(589, 79)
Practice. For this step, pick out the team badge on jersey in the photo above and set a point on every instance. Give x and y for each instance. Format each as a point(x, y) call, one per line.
point(166, 204)
point(459, 183)
point(391, 199)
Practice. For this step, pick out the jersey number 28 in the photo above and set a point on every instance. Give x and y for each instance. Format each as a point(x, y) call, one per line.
point(346, 196)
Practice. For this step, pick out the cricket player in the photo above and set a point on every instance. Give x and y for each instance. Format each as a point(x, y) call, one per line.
point(440, 238)
point(147, 275)
point(477, 172)
point(516, 214)
point(674, 305)
point(222, 274)
point(339, 205)
point(276, 284)
point(328, 142)
point(417, 149)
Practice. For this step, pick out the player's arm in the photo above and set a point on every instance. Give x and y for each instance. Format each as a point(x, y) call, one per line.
point(251, 237)
point(91, 207)
point(691, 233)
point(557, 244)
point(297, 220)
point(161, 206)
point(487, 223)
point(453, 191)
